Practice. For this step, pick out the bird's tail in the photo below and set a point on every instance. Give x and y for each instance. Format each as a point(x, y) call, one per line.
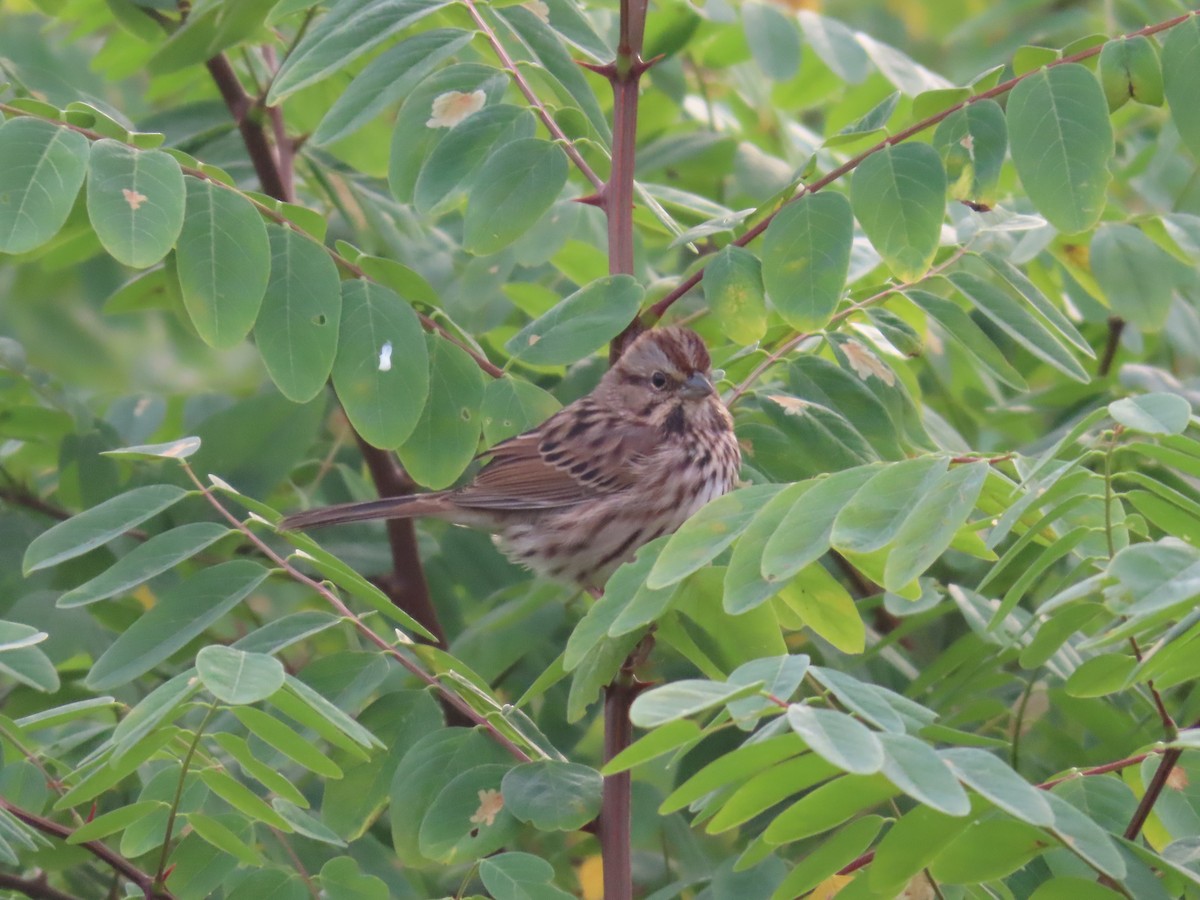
point(386, 508)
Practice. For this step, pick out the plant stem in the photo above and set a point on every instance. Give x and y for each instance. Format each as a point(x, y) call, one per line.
point(33, 887)
point(343, 610)
point(183, 770)
point(116, 861)
point(615, 823)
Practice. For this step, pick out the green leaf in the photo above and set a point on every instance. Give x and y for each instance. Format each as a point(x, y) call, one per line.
point(745, 586)
point(454, 164)
point(773, 40)
point(1014, 320)
point(297, 327)
point(269, 884)
point(42, 167)
point(97, 526)
point(341, 879)
point(223, 259)
point(650, 746)
point(733, 288)
point(520, 876)
point(960, 328)
point(826, 607)
point(182, 613)
point(23, 661)
point(386, 79)
point(899, 198)
point(915, 768)
point(153, 710)
point(973, 143)
point(702, 537)
point(731, 767)
point(1100, 675)
point(1129, 69)
point(909, 846)
point(306, 824)
point(684, 698)
point(468, 818)
point(135, 200)
point(519, 182)
point(552, 795)
point(236, 677)
point(255, 768)
point(996, 782)
point(212, 831)
point(868, 701)
point(242, 799)
point(446, 437)
point(381, 373)
point(1138, 277)
point(803, 535)
point(830, 857)
point(112, 822)
point(828, 806)
point(512, 406)
point(836, 737)
point(143, 562)
point(780, 677)
point(872, 517)
point(990, 849)
point(1085, 838)
point(179, 449)
point(767, 787)
point(419, 124)
point(278, 735)
point(1061, 142)
point(935, 518)
point(580, 324)
point(1158, 413)
point(349, 29)
point(1072, 888)
point(1181, 68)
point(806, 257)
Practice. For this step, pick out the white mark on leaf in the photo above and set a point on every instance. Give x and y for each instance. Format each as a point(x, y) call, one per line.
point(385, 357)
point(865, 363)
point(490, 804)
point(133, 198)
point(539, 9)
point(452, 107)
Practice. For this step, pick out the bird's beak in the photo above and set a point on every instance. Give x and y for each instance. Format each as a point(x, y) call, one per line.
point(696, 385)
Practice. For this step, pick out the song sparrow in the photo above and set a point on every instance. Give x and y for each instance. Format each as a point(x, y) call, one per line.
point(573, 498)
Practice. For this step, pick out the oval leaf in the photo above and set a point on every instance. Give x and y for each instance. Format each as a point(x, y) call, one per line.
point(224, 260)
point(297, 327)
point(1181, 73)
point(42, 166)
point(580, 324)
point(553, 795)
point(1152, 413)
point(899, 198)
point(381, 373)
point(234, 676)
point(135, 201)
point(1062, 142)
point(519, 182)
point(837, 738)
point(806, 257)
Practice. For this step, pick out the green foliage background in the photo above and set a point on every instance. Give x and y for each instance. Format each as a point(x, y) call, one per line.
point(941, 641)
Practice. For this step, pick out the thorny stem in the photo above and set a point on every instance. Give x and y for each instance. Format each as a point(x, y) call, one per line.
point(159, 877)
point(143, 880)
point(615, 814)
point(1116, 327)
point(656, 311)
point(35, 887)
point(341, 609)
point(539, 108)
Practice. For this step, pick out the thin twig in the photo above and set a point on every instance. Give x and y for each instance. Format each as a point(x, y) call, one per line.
point(116, 861)
point(656, 311)
point(507, 63)
point(1116, 327)
point(336, 602)
point(35, 887)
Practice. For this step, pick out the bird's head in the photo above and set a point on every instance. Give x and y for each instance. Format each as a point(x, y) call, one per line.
point(665, 376)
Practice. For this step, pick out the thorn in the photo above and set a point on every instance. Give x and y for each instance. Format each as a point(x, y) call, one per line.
point(168, 871)
point(642, 65)
point(92, 813)
point(608, 70)
point(596, 199)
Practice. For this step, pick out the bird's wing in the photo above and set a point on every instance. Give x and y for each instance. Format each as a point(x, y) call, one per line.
point(578, 454)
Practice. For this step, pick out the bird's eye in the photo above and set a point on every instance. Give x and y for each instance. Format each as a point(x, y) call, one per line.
point(659, 380)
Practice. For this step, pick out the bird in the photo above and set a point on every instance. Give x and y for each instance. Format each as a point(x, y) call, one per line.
point(575, 497)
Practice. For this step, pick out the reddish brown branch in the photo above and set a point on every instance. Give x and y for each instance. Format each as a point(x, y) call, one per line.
point(35, 887)
point(143, 880)
point(615, 822)
point(656, 311)
point(254, 136)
